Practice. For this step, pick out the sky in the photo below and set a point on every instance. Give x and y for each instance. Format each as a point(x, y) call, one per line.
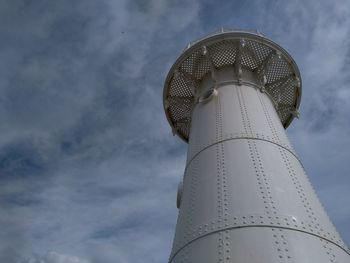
point(88, 165)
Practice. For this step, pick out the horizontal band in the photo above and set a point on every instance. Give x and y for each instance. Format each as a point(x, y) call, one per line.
point(239, 136)
point(258, 220)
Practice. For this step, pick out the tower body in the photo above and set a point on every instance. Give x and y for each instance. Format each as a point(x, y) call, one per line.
point(245, 196)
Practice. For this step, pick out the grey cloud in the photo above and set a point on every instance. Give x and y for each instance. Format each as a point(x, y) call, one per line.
point(54, 257)
point(26, 157)
point(81, 79)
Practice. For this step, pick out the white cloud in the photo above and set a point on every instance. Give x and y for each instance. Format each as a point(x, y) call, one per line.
point(55, 257)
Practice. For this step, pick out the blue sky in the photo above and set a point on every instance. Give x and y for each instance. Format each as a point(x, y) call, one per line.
point(88, 165)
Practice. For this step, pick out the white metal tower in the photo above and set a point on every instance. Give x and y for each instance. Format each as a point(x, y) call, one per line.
point(245, 197)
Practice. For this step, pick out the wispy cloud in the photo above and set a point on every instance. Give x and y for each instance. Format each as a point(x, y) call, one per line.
point(54, 257)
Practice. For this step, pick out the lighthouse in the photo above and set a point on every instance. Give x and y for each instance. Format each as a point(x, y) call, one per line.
point(244, 196)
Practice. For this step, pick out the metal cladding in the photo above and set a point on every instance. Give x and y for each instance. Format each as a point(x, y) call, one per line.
point(245, 196)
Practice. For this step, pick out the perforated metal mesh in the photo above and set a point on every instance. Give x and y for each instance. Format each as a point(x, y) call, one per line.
point(261, 51)
point(278, 69)
point(272, 65)
point(202, 67)
point(223, 53)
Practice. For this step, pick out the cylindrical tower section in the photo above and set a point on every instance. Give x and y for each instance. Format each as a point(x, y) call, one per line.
point(245, 196)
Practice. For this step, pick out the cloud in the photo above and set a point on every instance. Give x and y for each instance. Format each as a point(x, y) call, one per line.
point(319, 36)
point(54, 257)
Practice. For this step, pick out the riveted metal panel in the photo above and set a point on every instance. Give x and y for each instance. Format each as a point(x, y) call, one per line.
point(261, 244)
point(203, 125)
point(244, 176)
point(246, 197)
point(206, 200)
point(272, 118)
point(203, 128)
point(244, 182)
